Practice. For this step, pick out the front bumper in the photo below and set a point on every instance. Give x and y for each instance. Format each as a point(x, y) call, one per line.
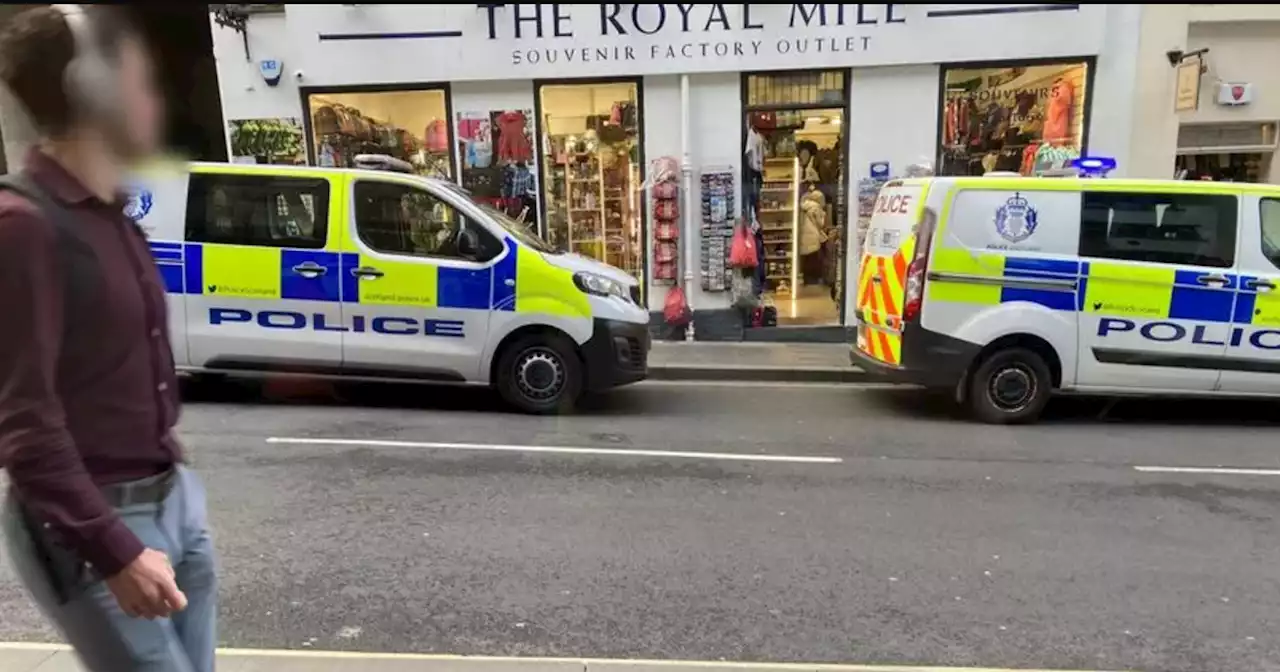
point(929, 359)
point(616, 354)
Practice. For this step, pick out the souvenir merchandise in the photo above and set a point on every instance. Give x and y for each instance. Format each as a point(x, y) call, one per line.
point(1025, 120)
point(497, 167)
point(516, 146)
point(664, 196)
point(591, 136)
point(341, 132)
point(717, 186)
point(675, 309)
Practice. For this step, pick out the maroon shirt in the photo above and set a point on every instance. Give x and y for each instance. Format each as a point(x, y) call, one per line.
point(97, 409)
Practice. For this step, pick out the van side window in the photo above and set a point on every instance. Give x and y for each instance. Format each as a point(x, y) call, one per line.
point(260, 210)
point(1182, 229)
point(401, 219)
point(1269, 216)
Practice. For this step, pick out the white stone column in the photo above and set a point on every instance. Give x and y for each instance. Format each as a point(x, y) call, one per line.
point(1155, 123)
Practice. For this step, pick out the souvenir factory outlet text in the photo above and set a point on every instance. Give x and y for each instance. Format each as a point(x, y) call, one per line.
point(687, 20)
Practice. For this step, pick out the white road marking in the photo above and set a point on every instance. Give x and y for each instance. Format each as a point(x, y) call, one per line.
point(563, 450)
point(1210, 470)
point(516, 662)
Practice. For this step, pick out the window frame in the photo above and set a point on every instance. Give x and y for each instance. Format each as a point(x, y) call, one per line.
point(1262, 236)
point(1229, 245)
point(465, 220)
point(319, 188)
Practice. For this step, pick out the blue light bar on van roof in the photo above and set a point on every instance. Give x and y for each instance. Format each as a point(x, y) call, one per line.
point(1094, 166)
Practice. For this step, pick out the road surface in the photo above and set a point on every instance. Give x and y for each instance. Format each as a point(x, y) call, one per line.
point(916, 538)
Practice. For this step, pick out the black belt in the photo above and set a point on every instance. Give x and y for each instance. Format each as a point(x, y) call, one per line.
point(150, 490)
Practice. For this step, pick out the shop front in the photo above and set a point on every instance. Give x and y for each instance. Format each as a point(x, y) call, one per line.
point(786, 117)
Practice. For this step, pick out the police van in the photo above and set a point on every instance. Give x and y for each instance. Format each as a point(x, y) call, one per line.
point(1004, 290)
point(381, 275)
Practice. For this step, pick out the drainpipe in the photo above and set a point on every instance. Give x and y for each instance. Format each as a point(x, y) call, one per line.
point(688, 253)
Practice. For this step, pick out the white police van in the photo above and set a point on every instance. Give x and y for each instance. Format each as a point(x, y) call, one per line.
point(1006, 289)
point(380, 275)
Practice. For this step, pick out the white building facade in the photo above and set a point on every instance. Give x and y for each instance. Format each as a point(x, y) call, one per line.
point(555, 113)
point(1226, 126)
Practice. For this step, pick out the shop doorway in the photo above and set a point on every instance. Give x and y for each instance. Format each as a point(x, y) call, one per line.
point(408, 123)
point(591, 167)
point(795, 189)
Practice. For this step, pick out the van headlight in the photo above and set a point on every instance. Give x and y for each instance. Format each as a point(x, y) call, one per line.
point(600, 285)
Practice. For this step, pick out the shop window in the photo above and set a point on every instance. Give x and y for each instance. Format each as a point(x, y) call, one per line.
point(1228, 167)
point(262, 211)
point(1022, 119)
point(1182, 229)
point(412, 126)
point(401, 219)
point(794, 187)
point(591, 170)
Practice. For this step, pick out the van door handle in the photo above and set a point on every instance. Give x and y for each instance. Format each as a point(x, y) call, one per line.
point(366, 272)
point(1212, 279)
point(1260, 285)
point(310, 270)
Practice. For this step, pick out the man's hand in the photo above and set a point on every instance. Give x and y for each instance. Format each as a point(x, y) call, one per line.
point(147, 588)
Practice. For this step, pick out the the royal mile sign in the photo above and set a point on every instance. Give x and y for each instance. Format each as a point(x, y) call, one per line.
point(340, 44)
point(689, 32)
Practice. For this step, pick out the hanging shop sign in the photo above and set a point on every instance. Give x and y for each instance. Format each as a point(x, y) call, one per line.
point(551, 40)
point(1187, 96)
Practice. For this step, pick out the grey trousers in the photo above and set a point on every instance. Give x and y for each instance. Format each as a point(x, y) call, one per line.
point(86, 613)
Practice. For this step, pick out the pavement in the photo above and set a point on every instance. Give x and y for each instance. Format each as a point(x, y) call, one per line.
point(741, 522)
point(777, 362)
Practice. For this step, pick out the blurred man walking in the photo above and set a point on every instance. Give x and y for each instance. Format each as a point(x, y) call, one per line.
point(104, 525)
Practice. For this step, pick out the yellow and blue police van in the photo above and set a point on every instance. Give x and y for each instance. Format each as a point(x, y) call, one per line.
point(380, 275)
point(1004, 290)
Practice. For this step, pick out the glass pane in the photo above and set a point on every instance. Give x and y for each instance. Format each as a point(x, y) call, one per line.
point(809, 88)
point(1025, 120)
point(409, 125)
point(591, 171)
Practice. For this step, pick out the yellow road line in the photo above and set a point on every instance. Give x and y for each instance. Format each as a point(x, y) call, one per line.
point(587, 662)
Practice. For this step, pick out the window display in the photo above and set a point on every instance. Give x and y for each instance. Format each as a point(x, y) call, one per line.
point(411, 126)
point(795, 191)
point(1021, 119)
point(591, 170)
point(496, 150)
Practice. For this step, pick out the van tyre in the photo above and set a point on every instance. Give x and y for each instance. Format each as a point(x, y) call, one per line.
point(540, 374)
point(1010, 387)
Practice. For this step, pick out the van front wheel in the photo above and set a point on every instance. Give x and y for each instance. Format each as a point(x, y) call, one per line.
point(540, 374)
point(1010, 387)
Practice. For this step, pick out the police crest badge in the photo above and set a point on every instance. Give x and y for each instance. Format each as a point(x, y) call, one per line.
point(138, 204)
point(1016, 220)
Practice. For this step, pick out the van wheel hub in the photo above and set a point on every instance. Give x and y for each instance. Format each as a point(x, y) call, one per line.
point(1012, 388)
point(540, 374)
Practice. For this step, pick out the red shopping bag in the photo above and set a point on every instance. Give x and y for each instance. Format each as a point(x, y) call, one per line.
point(742, 253)
point(676, 308)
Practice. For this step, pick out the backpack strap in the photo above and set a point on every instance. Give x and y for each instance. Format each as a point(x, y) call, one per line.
point(77, 262)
